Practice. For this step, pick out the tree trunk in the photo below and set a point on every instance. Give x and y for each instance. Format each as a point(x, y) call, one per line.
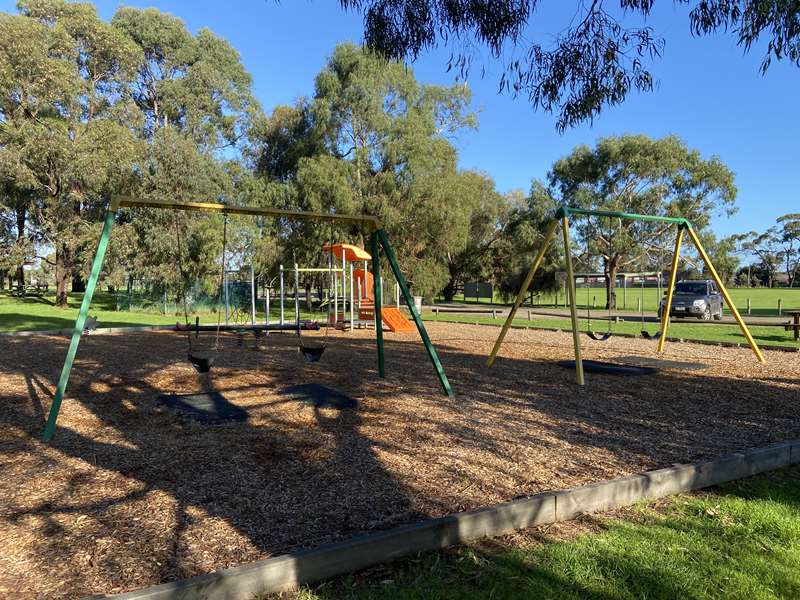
point(21, 218)
point(78, 282)
point(63, 273)
point(611, 270)
point(449, 291)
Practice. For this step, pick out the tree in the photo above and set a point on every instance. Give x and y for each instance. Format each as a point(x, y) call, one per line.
point(196, 84)
point(66, 118)
point(522, 239)
point(766, 247)
point(722, 252)
point(636, 174)
point(471, 252)
point(594, 60)
point(374, 140)
point(790, 240)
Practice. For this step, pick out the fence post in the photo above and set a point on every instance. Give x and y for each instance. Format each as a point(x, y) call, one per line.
point(748, 306)
point(529, 315)
point(780, 307)
point(494, 314)
point(638, 305)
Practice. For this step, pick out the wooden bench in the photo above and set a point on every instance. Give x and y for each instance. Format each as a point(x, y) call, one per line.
point(21, 291)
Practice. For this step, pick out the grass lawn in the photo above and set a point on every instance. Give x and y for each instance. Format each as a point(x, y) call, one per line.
point(764, 336)
point(741, 540)
point(24, 314)
point(763, 301)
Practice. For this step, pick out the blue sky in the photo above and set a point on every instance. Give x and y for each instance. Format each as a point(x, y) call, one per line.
point(709, 93)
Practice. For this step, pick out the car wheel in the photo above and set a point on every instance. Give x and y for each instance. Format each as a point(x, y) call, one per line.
point(706, 316)
point(718, 315)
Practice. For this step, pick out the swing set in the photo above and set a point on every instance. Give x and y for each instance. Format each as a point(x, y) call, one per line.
point(562, 217)
point(202, 361)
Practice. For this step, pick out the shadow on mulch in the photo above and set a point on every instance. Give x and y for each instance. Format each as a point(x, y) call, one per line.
point(159, 498)
point(319, 396)
point(208, 408)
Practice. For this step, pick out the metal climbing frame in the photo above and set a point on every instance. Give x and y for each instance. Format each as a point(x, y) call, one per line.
point(561, 217)
point(378, 238)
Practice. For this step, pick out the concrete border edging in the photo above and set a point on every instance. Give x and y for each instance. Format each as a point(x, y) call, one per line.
point(289, 571)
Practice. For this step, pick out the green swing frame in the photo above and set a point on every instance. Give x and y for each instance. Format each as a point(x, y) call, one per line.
point(378, 240)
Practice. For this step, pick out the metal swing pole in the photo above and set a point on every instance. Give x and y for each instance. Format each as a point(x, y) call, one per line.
point(673, 276)
point(252, 295)
point(548, 237)
point(376, 292)
point(283, 295)
point(731, 306)
point(380, 235)
point(94, 275)
point(573, 309)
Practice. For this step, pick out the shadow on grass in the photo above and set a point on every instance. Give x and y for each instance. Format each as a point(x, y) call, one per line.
point(740, 541)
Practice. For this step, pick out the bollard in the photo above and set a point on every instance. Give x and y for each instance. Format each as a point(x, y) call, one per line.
point(494, 314)
point(748, 306)
point(780, 307)
point(594, 301)
point(529, 315)
point(638, 305)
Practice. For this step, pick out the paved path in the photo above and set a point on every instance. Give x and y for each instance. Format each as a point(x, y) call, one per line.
point(597, 314)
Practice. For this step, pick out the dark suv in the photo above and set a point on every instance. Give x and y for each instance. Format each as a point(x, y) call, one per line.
point(700, 299)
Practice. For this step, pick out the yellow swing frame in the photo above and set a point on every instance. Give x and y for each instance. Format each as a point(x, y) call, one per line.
point(562, 217)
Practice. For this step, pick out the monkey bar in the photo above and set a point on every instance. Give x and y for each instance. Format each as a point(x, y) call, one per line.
point(378, 239)
point(561, 217)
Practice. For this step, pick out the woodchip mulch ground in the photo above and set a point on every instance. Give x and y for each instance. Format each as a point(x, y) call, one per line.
point(130, 494)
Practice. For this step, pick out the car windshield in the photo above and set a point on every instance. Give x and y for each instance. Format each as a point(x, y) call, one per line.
point(691, 287)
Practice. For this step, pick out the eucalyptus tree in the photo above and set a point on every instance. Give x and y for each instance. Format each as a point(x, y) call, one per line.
point(198, 111)
point(637, 174)
point(789, 232)
point(522, 239)
point(595, 55)
point(476, 242)
point(766, 248)
point(67, 118)
point(196, 84)
point(375, 140)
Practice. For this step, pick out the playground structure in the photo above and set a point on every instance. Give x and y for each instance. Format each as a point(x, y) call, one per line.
point(378, 240)
point(352, 298)
point(562, 217)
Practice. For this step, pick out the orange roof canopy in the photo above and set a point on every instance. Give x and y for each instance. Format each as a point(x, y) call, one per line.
point(351, 253)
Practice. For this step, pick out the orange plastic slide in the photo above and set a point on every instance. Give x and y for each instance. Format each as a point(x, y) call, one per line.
point(395, 320)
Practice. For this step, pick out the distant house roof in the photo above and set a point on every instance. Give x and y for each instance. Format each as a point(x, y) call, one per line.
point(351, 253)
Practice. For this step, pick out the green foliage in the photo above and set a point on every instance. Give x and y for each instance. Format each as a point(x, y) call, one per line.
point(137, 105)
point(374, 140)
point(195, 83)
point(778, 246)
point(524, 236)
point(595, 60)
point(637, 174)
point(66, 134)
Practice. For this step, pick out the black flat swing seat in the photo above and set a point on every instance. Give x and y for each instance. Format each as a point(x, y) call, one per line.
point(201, 362)
point(312, 353)
point(599, 337)
point(650, 336)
